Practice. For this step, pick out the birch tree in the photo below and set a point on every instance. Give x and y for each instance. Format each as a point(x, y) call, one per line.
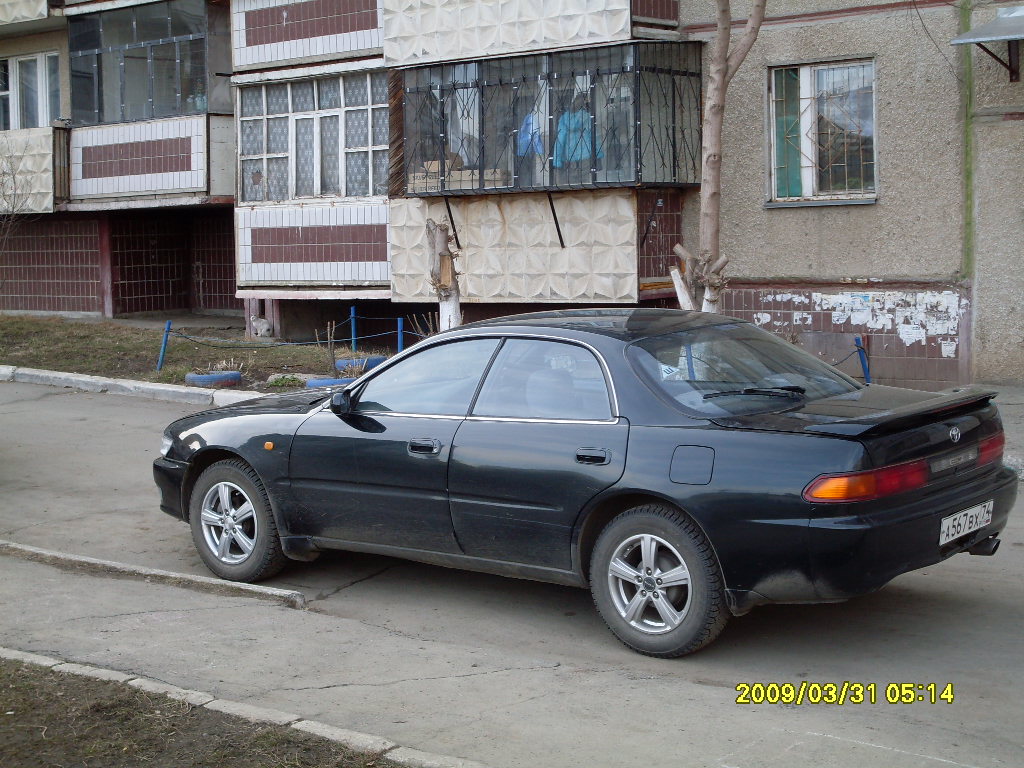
point(705, 271)
point(443, 277)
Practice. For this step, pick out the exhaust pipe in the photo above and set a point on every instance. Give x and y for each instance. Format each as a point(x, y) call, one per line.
point(986, 547)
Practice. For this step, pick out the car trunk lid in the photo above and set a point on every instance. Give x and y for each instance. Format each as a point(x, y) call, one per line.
point(894, 425)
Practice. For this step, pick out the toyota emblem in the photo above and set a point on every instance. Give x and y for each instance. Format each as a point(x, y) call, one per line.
point(954, 434)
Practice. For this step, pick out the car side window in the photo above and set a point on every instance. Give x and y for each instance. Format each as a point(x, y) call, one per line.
point(438, 381)
point(536, 379)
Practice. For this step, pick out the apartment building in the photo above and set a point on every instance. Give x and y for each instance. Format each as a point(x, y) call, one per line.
point(871, 175)
point(120, 157)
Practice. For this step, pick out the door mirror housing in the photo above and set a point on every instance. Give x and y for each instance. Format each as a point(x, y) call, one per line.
point(341, 403)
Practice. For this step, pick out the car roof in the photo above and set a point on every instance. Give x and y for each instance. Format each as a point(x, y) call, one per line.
point(627, 324)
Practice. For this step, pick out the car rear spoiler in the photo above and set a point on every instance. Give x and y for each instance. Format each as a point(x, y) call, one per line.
point(942, 406)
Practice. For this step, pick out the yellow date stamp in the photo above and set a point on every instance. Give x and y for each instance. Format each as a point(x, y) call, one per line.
point(846, 692)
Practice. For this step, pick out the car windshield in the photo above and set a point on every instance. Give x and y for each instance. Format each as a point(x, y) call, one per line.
point(732, 369)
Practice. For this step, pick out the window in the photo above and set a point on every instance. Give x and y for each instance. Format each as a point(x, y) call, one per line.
point(735, 368)
point(544, 380)
point(29, 91)
point(139, 63)
point(613, 116)
point(310, 138)
point(823, 131)
point(438, 381)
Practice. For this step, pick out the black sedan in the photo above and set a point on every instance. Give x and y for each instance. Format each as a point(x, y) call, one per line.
point(683, 466)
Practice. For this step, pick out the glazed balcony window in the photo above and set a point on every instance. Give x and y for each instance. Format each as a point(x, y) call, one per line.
point(314, 138)
point(29, 91)
point(823, 137)
point(624, 115)
point(138, 63)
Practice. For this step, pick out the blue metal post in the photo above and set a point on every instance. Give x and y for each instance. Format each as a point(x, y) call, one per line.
point(163, 346)
point(401, 334)
point(352, 326)
point(863, 359)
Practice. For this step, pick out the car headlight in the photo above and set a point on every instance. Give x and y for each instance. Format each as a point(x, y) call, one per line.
point(165, 445)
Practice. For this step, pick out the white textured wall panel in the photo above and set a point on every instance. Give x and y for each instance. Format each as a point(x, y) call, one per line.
point(427, 31)
point(14, 11)
point(26, 171)
point(510, 248)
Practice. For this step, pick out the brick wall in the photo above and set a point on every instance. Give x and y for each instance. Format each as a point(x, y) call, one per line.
point(914, 336)
point(52, 265)
point(213, 262)
point(149, 254)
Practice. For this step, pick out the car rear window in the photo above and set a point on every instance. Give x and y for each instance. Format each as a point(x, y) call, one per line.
point(733, 368)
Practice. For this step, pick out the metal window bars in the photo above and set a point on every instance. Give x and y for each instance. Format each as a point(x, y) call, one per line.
point(614, 116)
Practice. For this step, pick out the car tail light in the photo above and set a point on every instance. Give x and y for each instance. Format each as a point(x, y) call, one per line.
point(991, 449)
point(864, 486)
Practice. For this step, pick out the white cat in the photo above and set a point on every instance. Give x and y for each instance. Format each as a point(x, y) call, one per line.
point(260, 326)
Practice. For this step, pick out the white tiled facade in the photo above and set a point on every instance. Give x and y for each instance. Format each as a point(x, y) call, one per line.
point(320, 274)
point(194, 180)
point(310, 49)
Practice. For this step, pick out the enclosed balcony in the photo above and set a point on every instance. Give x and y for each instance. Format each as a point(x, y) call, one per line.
point(617, 116)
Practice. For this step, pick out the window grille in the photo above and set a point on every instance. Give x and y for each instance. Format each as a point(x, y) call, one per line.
point(823, 137)
point(139, 62)
point(311, 138)
point(624, 115)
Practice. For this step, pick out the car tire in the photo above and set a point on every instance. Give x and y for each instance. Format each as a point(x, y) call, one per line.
point(233, 525)
point(634, 557)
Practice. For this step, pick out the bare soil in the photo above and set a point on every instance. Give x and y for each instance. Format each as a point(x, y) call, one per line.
point(121, 351)
point(54, 719)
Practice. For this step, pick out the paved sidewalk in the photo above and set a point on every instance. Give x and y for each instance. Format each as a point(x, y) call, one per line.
point(1011, 406)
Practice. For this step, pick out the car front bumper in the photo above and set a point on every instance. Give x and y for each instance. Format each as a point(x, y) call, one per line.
point(169, 476)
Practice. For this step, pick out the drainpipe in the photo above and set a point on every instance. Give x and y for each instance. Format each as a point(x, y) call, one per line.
point(967, 102)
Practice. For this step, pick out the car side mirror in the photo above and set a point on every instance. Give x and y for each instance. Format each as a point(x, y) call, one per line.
point(341, 403)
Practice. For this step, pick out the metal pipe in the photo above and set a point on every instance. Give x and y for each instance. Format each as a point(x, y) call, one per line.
point(163, 346)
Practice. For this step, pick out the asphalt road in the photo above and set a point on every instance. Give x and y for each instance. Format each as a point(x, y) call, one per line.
point(508, 673)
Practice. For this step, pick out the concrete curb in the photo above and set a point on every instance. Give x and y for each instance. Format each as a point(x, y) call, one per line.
point(175, 393)
point(354, 740)
point(288, 597)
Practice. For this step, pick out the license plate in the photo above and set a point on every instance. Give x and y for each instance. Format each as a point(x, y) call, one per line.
point(955, 526)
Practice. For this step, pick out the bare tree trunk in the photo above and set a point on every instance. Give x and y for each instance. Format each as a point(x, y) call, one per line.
point(706, 270)
point(443, 277)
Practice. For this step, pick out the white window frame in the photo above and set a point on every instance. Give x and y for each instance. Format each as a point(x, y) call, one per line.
point(807, 74)
point(43, 86)
point(341, 112)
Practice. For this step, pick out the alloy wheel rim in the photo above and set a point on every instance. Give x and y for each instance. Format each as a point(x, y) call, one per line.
point(649, 583)
point(229, 523)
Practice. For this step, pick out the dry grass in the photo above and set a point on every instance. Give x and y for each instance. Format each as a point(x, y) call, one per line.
point(50, 718)
point(111, 349)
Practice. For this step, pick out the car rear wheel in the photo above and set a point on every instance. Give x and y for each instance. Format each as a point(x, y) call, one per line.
point(656, 582)
point(232, 524)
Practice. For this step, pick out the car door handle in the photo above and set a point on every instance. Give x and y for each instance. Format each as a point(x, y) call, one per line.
point(593, 456)
point(425, 445)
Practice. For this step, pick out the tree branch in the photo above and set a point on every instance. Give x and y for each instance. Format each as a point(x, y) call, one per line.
point(746, 41)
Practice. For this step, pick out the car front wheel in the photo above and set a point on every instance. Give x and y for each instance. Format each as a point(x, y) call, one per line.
point(656, 582)
point(232, 523)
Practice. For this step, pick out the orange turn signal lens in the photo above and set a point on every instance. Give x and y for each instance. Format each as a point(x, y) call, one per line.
point(268, 445)
point(864, 486)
